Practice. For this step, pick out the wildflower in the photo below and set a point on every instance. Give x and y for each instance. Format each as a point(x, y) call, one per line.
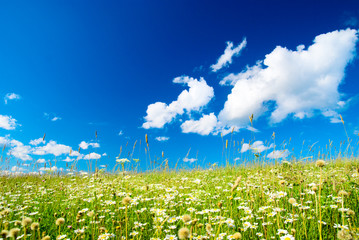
point(208, 228)
point(4, 234)
point(186, 218)
point(26, 222)
point(351, 212)
point(292, 200)
point(60, 237)
point(287, 237)
point(35, 226)
point(60, 221)
point(237, 235)
point(46, 238)
point(126, 200)
point(344, 193)
point(14, 232)
point(344, 235)
point(320, 163)
point(183, 233)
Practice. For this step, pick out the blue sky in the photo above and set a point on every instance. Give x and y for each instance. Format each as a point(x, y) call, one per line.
point(183, 72)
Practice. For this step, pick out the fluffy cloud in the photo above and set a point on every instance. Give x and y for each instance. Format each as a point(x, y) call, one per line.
point(17, 169)
point(52, 148)
point(41, 160)
point(229, 52)
point(85, 145)
point(162, 139)
point(204, 126)
point(256, 147)
point(197, 96)
point(293, 82)
point(92, 156)
point(20, 151)
point(11, 96)
point(190, 160)
point(7, 122)
point(279, 154)
point(55, 119)
point(36, 142)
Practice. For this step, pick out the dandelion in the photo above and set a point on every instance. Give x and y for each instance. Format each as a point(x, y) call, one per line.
point(186, 218)
point(344, 235)
point(292, 200)
point(60, 221)
point(126, 200)
point(320, 163)
point(46, 238)
point(183, 233)
point(208, 228)
point(14, 232)
point(237, 235)
point(26, 222)
point(35, 226)
point(4, 234)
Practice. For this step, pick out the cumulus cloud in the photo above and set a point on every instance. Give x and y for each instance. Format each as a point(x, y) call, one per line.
point(120, 133)
point(190, 160)
point(293, 82)
point(17, 169)
point(204, 126)
point(85, 145)
point(279, 154)
point(92, 156)
point(7, 122)
point(20, 151)
point(197, 96)
point(55, 119)
point(11, 96)
point(226, 58)
point(68, 159)
point(36, 142)
point(52, 148)
point(41, 160)
point(257, 147)
point(162, 139)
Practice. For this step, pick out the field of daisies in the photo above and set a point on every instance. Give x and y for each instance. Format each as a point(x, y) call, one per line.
point(289, 200)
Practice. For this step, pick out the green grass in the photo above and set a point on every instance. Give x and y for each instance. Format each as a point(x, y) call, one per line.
point(258, 208)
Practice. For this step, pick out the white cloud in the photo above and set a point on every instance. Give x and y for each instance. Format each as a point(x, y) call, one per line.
point(52, 148)
point(41, 160)
point(120, 133)
point(204, 126)
point(55, 119)
point(7, 122)
point(190, 160)
point(256, 147)
point(85, 145)
point(279, 154)
point(92, 156)
point(229, 52)
point(76, 154)
point(198, 96)
point(17, 169)
point(11, 96)
point(162, 139)
point(293, 82)
point(20, 151)
point(36, 142)
point(68, 159)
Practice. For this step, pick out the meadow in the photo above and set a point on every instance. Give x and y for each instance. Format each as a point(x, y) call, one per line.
point(282, 200)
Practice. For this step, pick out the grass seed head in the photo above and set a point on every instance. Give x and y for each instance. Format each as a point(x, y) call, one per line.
point(292, 200)
point(208, 228)
point(183, 233)
point(344, 193)
point(46, 238)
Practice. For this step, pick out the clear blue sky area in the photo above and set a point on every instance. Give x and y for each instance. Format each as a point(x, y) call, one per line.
point(183, 72)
